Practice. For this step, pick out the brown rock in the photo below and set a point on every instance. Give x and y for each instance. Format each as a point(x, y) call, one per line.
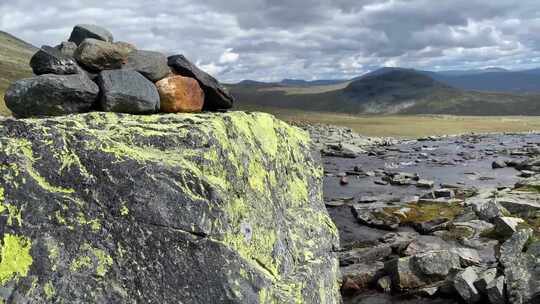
point(180, 94)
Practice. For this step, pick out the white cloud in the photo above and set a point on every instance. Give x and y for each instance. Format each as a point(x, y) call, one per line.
point(229, 56)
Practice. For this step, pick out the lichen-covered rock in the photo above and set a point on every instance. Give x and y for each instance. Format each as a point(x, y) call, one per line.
point(207, 208)
point(51, 95)
point(180, 94)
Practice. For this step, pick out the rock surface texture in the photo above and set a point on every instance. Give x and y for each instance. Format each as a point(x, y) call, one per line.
point(208, 208)
point(51, 95)
point(84, 31)
point(180, 94)
point(49, 60)
point(127, 91)
point(216, 96)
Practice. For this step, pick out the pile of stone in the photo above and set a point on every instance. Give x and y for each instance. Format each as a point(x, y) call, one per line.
point(92, 72)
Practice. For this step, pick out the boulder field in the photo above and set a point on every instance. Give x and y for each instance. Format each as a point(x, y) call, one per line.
point(172, 208)
point(92, 72)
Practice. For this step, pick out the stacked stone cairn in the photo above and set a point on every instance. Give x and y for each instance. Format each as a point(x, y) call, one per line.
point(91, 72)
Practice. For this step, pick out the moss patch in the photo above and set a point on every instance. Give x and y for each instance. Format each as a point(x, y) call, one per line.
point(425, 212)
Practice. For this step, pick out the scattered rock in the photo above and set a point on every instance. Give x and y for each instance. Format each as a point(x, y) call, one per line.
point(49, 60)
point(96, 55)
point(484, 279)
point(84, 31)
point(126, 91)
point(444, 193)
point(152, 65)
point(363, 275)
point(344, 181)
point(376, 217)
point(495, 291)
point(51, 95)
point(464, 285)
point(506, 226)
point(180, 94)
point(422, 183)
point(216, 96)
point(499, 164)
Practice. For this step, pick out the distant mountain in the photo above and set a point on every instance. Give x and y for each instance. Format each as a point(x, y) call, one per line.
point(472, 72)
point(300, 82)
point(494, 81)
point(15, 55)
point(389, 91)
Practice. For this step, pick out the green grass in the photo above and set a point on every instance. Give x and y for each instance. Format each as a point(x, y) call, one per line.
point(15, 55)
point(410, 126)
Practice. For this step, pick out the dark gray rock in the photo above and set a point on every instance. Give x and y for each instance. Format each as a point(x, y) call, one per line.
point(152, 65)
point(114, 208)
point(216, 96)
point(126, 91)
point(375, 217)
point(499, 164)
point(84, 31)
point(96, 55)
point(487, 209)
point(496, 292)
point(49, 60)
point(485, 279)
point(364, 275)
point(51, 95)
point(506, 226)
point(464, 285)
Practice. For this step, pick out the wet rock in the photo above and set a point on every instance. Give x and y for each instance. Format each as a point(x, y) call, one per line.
point(96, 55)
point(51, 95)
point(421, 270)
point(364, 255)
point(498, 164)
point(216, 96)
point(49, 60)
point(84, 31)
point(152, 65)
point(464, 285)
point(506, 226)
point(125, 91)
point(180, 94)
point(444, 193)
point(375, 217)
point(422, 183)
point(363, 275)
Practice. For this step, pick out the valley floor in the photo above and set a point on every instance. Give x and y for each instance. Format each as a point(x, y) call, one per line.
point(410, 126)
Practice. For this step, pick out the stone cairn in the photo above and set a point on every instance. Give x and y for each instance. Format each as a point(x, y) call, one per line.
point(92, 72)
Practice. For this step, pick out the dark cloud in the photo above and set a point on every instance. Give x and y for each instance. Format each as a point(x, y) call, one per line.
point(274, 39)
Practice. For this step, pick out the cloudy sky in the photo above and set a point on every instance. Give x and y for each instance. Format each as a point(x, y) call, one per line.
point(311, 39)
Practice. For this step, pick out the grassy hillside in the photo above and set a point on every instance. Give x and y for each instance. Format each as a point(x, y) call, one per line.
point(388, 91)
point(410, 126)
point(14, 57)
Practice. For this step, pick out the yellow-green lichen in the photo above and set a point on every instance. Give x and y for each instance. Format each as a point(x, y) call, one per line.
point(49, 290)
point(124, 210)
point(92, 258)
point(16, 258)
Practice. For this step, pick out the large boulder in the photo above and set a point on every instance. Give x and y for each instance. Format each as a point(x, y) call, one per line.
point(180, 94)
point(49, 60)
point(84, 31)
point(216, 96)
point(96, 55)
point(126, 91)
point(521, 269)
point(50, 95)
point(152, 65)
point(207, 208)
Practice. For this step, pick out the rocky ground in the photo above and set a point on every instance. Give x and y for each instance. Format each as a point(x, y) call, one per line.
point(435, 220)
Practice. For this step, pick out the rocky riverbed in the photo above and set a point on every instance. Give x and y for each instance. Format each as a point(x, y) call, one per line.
point(435, 220)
